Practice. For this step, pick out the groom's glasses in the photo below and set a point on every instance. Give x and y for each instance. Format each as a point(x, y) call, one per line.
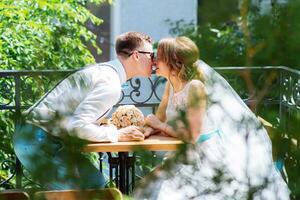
point(145, 52)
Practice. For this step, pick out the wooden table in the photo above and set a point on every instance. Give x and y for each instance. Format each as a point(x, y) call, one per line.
point(153, 143)
point(124, 162)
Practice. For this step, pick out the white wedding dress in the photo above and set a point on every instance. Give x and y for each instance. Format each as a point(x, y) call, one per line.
point(233, 156)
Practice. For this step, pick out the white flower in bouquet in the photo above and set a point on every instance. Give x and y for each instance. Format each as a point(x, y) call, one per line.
point(127, 115)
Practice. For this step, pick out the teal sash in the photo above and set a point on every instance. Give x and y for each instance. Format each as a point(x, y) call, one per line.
point(206, 136)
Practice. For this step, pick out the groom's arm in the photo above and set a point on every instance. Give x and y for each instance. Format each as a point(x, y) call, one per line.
point(83, 123)
point(99, 100)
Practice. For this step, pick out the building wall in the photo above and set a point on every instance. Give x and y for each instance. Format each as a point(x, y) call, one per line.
point(266, 5)
point(149, 16)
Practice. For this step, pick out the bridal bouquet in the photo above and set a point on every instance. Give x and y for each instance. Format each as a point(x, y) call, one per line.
point(127, 115)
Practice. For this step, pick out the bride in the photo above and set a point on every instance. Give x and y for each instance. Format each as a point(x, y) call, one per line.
point(230, 155)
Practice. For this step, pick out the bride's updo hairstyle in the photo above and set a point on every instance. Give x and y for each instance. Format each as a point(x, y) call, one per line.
point(181, 55)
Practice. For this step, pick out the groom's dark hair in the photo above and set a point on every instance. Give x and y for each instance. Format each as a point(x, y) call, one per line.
point(127, 42)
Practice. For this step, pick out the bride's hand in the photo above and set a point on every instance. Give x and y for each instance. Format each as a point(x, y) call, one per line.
point(154, 122)
point(130, 133)
point(150, 131)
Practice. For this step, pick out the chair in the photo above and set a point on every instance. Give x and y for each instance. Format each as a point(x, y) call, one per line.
point(13, 194)
point(279, 162)
point(100, 194)
point(268, 126)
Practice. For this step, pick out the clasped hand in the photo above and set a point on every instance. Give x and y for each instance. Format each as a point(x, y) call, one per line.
point(134, 133)
point(130, 133)
point(154, 125)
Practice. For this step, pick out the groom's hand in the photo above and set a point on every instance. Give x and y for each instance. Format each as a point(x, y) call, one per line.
point(130, 133)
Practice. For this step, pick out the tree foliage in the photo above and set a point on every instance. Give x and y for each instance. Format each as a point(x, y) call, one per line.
point(240, 33)
point(37, 35)
point(44, 34)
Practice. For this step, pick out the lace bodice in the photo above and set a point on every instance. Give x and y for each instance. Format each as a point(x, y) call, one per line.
point(178, 101)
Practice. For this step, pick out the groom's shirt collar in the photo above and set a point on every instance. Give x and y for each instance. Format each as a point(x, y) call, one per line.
point(117, 65)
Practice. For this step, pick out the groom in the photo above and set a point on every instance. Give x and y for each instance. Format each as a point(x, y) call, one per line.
point(78, 102)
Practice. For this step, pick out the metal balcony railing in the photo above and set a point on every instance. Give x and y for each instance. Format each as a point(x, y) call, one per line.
point(272, 88)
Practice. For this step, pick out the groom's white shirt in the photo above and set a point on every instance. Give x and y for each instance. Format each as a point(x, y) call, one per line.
point(81, 99)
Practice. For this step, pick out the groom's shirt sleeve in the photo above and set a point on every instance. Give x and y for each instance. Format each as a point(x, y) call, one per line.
point(104, 95)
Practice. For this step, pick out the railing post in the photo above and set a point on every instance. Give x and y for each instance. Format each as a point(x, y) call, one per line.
point(17, 121)
point(280, 93)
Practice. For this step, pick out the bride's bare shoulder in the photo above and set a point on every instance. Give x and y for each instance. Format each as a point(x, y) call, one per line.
point(196, 83)
point(197, 87)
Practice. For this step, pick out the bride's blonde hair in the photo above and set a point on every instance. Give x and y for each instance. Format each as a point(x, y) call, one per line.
point(181, 55)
